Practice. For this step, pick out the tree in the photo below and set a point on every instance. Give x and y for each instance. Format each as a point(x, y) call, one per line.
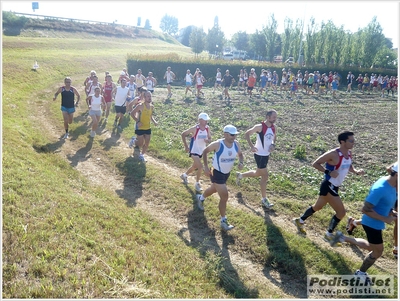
point(13, 24)
point(309, 49)
point(241, 40)
point(272, 40)
point(215, 39)
point(185, 36)
point(372, 41)
point(385, 58)
point(197, 40)
point(147, 24)
point(257, 44)
point(169, 24)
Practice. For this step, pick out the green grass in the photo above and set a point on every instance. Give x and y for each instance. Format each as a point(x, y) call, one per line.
point(65, 237)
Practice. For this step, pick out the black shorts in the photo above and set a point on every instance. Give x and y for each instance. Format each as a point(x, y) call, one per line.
point(261, 161)
point(250, 88)
point(218, 177)
point(143, 132)
point(373, 236)
point(327, 187)
point(120, 109)
point(197, 155)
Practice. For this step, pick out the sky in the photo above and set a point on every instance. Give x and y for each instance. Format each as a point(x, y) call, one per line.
point(233, 16)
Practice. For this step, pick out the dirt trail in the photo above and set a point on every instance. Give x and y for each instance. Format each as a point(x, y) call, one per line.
point(96, 167)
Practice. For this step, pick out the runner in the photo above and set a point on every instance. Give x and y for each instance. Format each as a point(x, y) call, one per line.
point(200, 137)
point(68, 104)
point(143, 114)
point(95, 102)
point(377, 211)
point(120, 95)
point(265, 144)
point(108, 88)
point(169, 76)
point(226, 150)
point(338, 163)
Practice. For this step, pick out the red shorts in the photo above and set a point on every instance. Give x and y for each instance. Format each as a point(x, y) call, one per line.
point(199, 86)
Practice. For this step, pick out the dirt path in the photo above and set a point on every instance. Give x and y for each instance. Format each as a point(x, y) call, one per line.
point(96, 167)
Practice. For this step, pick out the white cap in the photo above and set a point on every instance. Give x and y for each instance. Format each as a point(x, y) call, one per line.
point(230, 129)
point(395, 167)
point(122, 73)
point(204, 116)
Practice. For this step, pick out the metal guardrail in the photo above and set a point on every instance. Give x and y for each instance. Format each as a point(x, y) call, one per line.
point(70, 19)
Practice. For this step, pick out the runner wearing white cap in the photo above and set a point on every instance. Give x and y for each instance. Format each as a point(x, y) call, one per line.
point(225, 152)
point(200, 137)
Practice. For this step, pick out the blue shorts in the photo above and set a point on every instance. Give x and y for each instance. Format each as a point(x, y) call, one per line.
point(188, 84)
point(68, 110)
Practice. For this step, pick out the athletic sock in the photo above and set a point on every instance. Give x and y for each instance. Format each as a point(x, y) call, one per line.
point(333, 223)
point(310, 211)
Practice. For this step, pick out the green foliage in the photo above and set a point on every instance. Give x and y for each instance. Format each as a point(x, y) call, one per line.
point(197, 40)
point(13, 24)
point(169, 24)
point(300, 151)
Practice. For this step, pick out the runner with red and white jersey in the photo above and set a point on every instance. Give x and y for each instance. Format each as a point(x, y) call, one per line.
point(200, 137)
point(265, 144)
point(337, 165)
point(108, 87)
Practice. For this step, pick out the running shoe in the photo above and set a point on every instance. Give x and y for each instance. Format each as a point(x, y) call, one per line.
point(363, 277)
point(184, 178)
point(395, 252)
point(66, 136)
point(238, 178)
point(226, 226)
point(300, 226)
point(197, 187)
point(200, 202)
point(141, 158)
point(265, 202)
point(334, 240)
point(132, 142)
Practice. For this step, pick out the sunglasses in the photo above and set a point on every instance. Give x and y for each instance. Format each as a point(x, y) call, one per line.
point(232, 135)
point(351, 141)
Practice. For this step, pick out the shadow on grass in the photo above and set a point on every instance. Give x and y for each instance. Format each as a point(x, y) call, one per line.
point(81, 154)
point(113, 140)
point(50, 147)
point(287, 262)
point(202, 238)
point(135, 172)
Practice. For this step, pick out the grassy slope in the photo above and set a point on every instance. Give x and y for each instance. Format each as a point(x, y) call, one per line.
point(65, 254)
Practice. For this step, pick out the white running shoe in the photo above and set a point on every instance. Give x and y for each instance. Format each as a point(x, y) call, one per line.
point(199, 202)
point(198, 187)
point(92, 134)
point(142, 158)
point(238, 178)
point(184, 178)
point(66, 136)
point(132, 142)
point(226, 226)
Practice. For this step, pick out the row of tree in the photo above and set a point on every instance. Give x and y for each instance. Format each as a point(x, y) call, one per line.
point(323, 43)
